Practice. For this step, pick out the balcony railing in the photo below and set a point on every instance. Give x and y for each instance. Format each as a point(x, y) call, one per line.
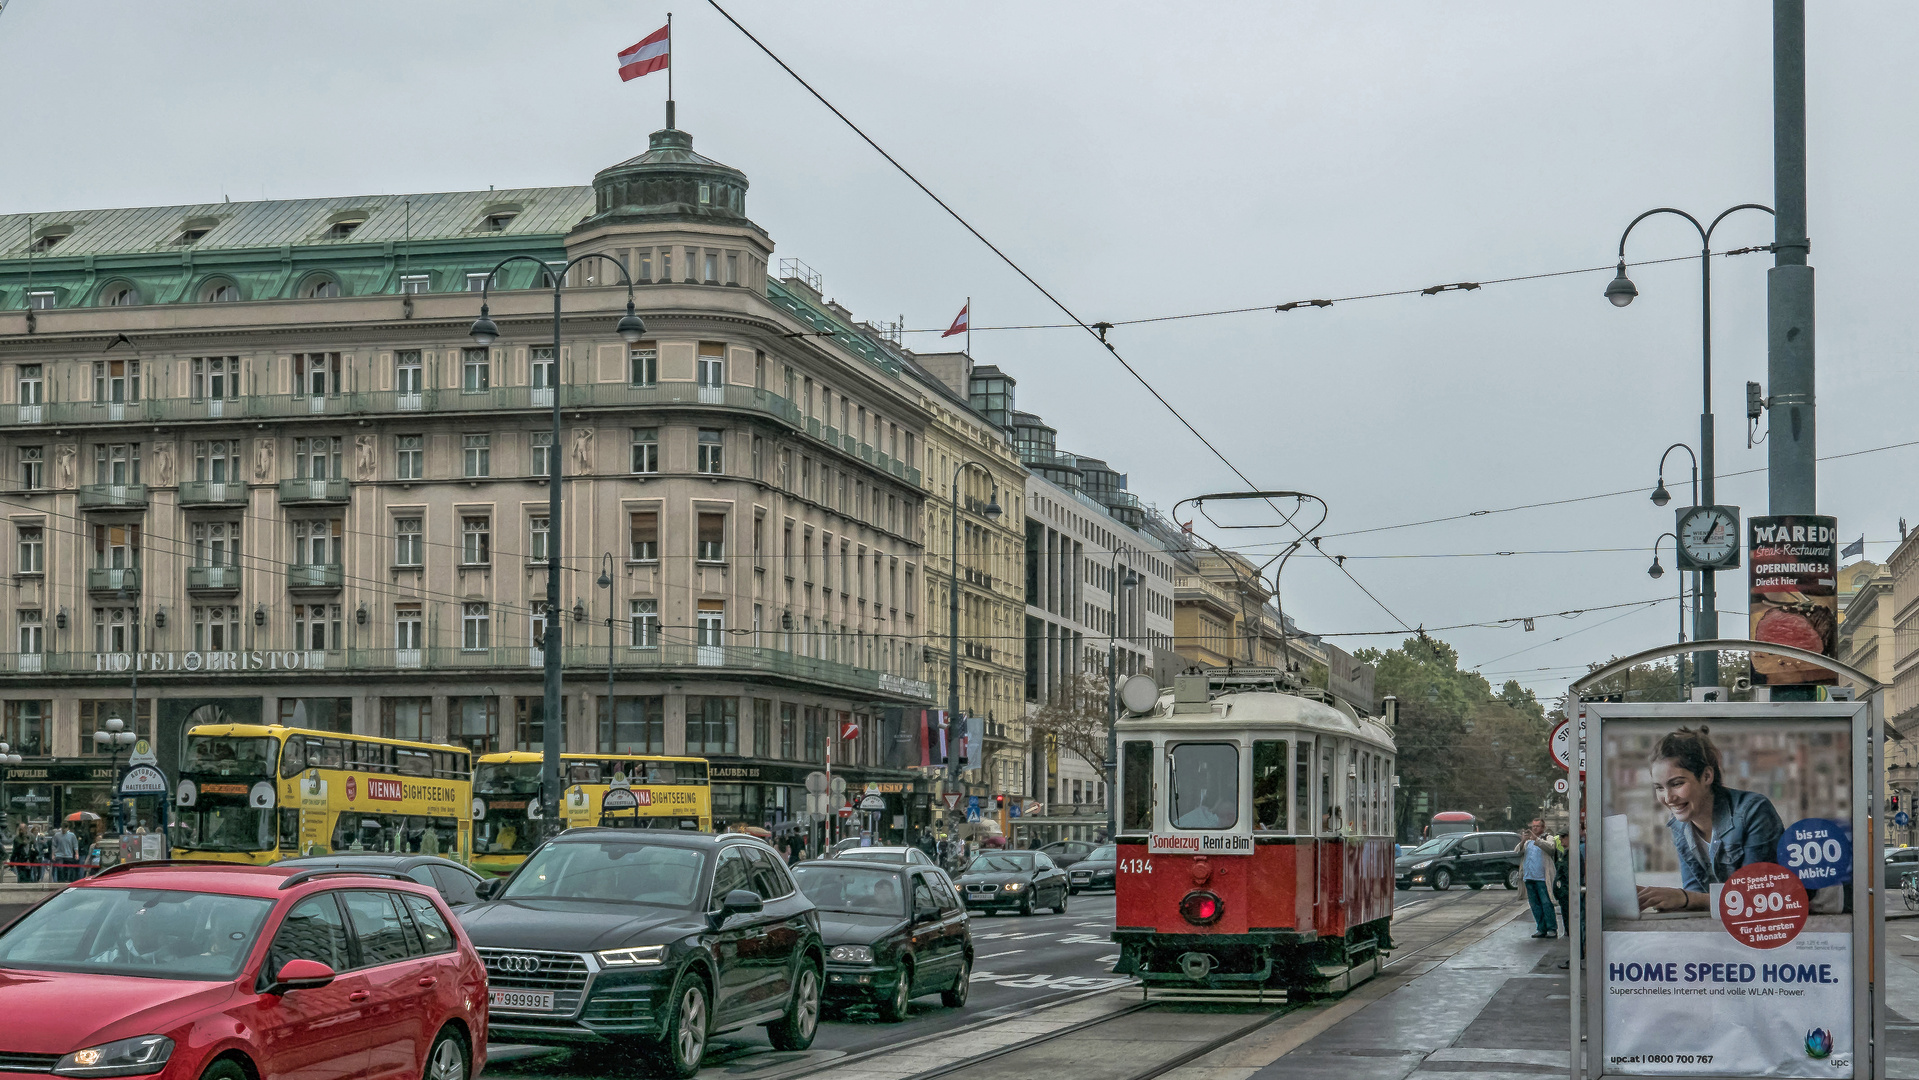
point(204, 579)
point(113, 496)
point(209, 493)
point(330, 490)
point(315, 576)
point(114, 580)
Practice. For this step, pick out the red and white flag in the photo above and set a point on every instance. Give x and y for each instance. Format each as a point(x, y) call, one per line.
point(959, 323)
point(650, 55)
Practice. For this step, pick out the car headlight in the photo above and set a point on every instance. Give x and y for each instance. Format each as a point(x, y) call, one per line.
point(1422, 865)
point(1012, 886)
point(852, 954)
point(137, 1056)
point(643, 954)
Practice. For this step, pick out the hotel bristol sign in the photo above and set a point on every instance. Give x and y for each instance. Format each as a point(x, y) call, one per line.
point(216, 662)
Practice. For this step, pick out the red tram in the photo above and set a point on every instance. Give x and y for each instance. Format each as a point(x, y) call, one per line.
point(1255, 838)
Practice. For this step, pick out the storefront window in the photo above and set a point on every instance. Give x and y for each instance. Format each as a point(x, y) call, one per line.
point(318, 714)
point(529, 723)
point(406, 718)
point(95, 714)
point(26, 723)
point(712, 726)
point(476, 723)
point(637, 727)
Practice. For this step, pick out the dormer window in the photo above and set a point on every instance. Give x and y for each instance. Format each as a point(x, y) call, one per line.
point(48, 241)
point(190, 236)
point(320, 288)
point(220, 292)
point(344, 228)
point(706, 193)
point(122, 296)
point(498, 222)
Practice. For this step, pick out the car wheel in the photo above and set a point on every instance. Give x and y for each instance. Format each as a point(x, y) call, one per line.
point(1442, 880)
point(956, 997)
point(448, 1059)
point(1060, 908)
point(796, 1029)
point(1513, 879)
point(679, 1051)
point(1072, 892)
point(1026, 903)
point(225, 1069)
point(895, 1008)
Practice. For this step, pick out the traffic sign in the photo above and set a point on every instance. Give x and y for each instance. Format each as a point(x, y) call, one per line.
point(143, 780)
point(838, 786)
point(816, 782)
point(1562, 739)
point(1902, 819)
point(1559, 785)
point(1033, 809)
point(952, 800)
point(846, 811)
point(873, 803)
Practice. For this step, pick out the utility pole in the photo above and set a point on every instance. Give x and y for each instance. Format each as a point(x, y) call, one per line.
point(1789, 358)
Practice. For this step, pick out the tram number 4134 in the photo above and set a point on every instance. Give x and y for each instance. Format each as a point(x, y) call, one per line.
point(1136, 866)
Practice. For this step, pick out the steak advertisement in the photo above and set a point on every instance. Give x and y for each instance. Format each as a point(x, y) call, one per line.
point(1794, 597)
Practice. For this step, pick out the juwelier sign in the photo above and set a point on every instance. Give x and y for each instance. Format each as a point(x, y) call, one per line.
point(199, 662)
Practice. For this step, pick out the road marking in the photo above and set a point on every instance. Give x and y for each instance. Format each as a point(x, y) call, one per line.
point(1086, 939)
point(1909, 937)
point(1113, 959)
point(1008, 952)
point(1057, 982)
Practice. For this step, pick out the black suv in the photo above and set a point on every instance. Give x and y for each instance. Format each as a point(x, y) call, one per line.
point(651, 939)
point(1474, 859)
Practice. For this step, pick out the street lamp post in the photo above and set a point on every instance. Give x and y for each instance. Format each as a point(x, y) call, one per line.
point(992, 513)
point(114, 736)
point(612, 712)
point(1655, 572)
point(1621, 291)
point(8, 759)
point(1112, 695)
point(485, 333)
point(1660, 497)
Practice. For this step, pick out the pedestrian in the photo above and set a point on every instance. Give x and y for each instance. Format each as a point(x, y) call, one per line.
point(1562, 879)
point(66, 853)
point(1536, 867)
point(22, 853)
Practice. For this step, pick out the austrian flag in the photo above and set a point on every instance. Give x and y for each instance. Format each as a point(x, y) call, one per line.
point(648, 56)
point(960, 322)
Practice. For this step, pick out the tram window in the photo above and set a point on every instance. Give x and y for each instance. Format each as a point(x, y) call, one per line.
point(1303, 784)
point(1363, 820)
point(1354, 783)
point(1205, 786)
point(1328, 809)
point(1136, 787)
point(1269, 786)
point(1379, 791)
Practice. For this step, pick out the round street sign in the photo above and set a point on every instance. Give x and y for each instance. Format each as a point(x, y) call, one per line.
point(1902, 819)
point(846, 811)
point(838, 786)
point(816, 782)
point(1562, 744)
point(1559, 785)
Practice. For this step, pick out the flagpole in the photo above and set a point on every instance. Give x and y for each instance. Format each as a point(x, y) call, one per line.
point(969, 327)
point(669, 71)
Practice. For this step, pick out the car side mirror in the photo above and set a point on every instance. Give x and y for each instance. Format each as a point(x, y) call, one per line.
point(485, 889)
point(301, 975)
point(741, 902)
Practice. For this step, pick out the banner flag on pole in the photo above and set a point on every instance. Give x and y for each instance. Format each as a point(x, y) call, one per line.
point(1857, 547)
point(959, 322)
point(650, 55)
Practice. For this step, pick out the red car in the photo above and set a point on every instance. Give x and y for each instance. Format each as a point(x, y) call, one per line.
point(210, 971)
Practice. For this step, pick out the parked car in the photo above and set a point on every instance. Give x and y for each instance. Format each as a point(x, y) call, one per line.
point(1065, 853)
point(649, 940)
point(891, 933)
point(1095, 871)
point(1020, 880)
point(456, 884)
point(1474, 860)
point(1898, 863)
point(911, 856)
point(225, 972)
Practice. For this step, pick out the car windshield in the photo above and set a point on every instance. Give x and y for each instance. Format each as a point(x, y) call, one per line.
point(1432, 847)
point(1004, 863)
point(852, 889)
point(151, 933)
point(894, 855)
point(626, 873)
point(1103, 853)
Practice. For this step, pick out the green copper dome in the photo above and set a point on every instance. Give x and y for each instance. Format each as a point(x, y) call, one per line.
point(668, 182)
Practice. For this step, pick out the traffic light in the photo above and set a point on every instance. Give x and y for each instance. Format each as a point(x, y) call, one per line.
point(999, 802)
point(1893, 802)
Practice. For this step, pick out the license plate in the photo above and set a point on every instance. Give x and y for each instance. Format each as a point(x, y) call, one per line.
point(521, 999)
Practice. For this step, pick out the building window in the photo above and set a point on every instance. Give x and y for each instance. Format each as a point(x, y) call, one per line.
point(643, 265)
point(645, 618)
point(216, 377)
point(537, 550)
point(712, 268)
point(32, 632)
point(706, 192)
point(692, 265)
point(476, 282)
point(33, 548)
point(216, 628)
point(645, 526)
point(406, 718)
point(789, 723)
point(26, 727)
point(415, 283)
point(408, 638)
point(712, 725)
point(317, 458)
point(317, 542)
point(216, 543)
point(478, 451)
point(643, 366)
point(475, 627)
point(32, 468)
point(711, 447)
point(217, 461)
point(475, 722)
point(762, 726)
point(316, 374)
point(410, 459)
point(122, 296)
point(116, 382)
point(712, 622)
point(646, 450)
point(732, 269)
point(712, 365)
point(638, 726)
point(476, 540)
point(116, 547)
point(543, 373)
point(322, 288)
point(529, 727)
point(316, 626)
point(476, 370)
point(536, 625)
point(712, 538)
point(318, 714)
point(32, 385)
point(41, 299)
point(408, 548)
point(540, 448)
point(110, 628)
point(408, 379)
point(815, 745)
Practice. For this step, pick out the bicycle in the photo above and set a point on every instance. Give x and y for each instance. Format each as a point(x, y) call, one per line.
point(1909, 887)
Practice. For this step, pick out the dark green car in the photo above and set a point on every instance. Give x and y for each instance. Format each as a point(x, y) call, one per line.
point(892, 933)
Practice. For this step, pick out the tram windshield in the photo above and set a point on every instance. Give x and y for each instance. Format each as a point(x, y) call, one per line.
point(1205, 785)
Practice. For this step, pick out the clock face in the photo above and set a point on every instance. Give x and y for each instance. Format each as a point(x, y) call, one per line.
point(1710, 536)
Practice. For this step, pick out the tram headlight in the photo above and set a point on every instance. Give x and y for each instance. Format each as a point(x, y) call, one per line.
point(1202, 908)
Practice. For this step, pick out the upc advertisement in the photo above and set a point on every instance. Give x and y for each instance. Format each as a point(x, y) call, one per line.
point(1725, 894)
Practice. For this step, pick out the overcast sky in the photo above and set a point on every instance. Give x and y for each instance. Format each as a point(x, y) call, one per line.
point(1148, 160)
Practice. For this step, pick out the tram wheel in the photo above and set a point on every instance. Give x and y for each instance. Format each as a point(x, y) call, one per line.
point(1442, 880)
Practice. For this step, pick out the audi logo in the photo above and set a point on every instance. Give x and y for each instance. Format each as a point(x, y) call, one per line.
point(519, 965)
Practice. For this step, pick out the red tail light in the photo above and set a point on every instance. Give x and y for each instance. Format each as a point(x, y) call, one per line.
point(1201, 908)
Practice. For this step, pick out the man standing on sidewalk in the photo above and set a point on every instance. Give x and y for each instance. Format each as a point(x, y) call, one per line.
point(1536, 863)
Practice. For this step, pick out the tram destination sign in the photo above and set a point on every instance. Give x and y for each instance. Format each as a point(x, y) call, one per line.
point(1198, 844)
point(210, 662)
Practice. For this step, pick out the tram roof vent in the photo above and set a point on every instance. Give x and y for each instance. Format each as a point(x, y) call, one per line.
point(1191, 694)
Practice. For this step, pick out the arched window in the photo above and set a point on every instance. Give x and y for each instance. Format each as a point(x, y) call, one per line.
point(120, 294)
point(220, 292)
point(320, 287)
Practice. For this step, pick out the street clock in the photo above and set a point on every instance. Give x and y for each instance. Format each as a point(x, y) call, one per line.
point(1708, 537)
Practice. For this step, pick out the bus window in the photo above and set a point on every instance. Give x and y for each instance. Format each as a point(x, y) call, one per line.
point(231, 755)
point(325, 754)
point(293, 756)
point(1136, 787)
point(1303, 786)
point(1269, 786)
point(583, 772)
point(289, 830)
point(1205, 786)
point(415, 763)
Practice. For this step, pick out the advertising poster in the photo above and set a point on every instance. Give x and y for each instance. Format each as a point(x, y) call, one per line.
point(1725, 898)
point(1794, 596)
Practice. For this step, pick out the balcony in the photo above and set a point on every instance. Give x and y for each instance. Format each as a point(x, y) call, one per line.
point(114, 581)
point(97, 412)
point(209, 493)
point(113, 496)
point(310, 492)
point(213, 579)
point(312, 577)
point(30, 414)
point(298, 405)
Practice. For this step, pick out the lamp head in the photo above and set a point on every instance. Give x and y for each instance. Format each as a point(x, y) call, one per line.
point(1132, 579)
point(4, 748)
point(101, 737)
point(630, 327)
point(1655, 571)
point(260, 614)
point(992, 510)
point(1660, 496)
point(115, 724)
point(606, 580)
point(483, 332)
point(579, 611)
point(1621, 290)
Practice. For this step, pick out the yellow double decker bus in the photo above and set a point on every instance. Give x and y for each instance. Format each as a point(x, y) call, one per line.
point(666, 793)
point(252, 793)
